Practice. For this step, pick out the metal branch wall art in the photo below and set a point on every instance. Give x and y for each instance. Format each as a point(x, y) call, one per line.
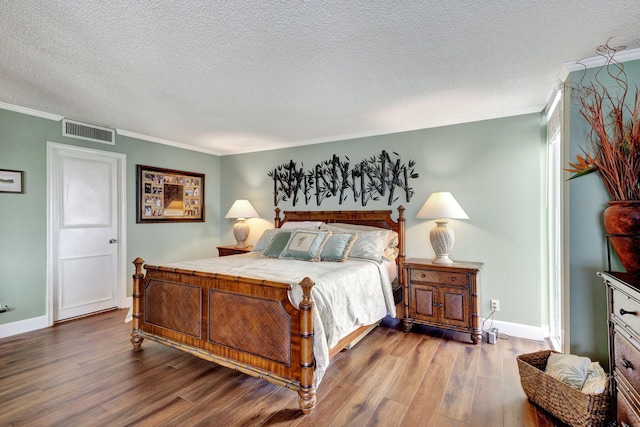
point(375, 178)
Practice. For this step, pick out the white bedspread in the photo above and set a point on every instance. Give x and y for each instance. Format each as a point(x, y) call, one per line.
point(346, 295)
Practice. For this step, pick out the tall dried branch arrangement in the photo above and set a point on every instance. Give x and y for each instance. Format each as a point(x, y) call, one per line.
point(613, 148)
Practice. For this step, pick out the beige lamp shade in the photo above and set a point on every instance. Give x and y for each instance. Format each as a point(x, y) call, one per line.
point(241, 209)
point(441, 206)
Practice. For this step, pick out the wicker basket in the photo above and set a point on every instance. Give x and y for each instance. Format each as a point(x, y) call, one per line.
point(569, 405)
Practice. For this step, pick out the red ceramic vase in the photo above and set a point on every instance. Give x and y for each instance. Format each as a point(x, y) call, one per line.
point(622, 224)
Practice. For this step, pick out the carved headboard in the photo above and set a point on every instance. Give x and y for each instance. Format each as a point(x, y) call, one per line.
point(374, 218)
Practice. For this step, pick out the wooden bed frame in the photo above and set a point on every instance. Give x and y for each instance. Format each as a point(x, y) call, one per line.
point(242, 323)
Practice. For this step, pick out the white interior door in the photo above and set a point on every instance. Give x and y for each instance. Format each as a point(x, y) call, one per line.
point(85, 231)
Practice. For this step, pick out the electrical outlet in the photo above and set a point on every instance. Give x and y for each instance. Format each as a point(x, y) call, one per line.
point(495, 304)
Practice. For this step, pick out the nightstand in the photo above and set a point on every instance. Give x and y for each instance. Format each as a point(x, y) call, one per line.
point(232, 250)
point(443, 295)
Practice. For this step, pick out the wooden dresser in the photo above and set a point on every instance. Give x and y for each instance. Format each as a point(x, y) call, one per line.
point(445, 296)
point(623, 306)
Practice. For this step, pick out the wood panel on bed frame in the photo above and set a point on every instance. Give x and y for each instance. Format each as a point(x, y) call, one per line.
point(242, 323)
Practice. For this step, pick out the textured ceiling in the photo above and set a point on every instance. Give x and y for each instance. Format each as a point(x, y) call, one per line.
point(238, 76)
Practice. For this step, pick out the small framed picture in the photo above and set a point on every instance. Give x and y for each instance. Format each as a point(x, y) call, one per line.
point(11, 181)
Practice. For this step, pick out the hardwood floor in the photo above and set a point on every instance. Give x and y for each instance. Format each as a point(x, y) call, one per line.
point(85, 373)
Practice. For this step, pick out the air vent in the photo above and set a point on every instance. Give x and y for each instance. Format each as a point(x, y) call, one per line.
point(88, 132)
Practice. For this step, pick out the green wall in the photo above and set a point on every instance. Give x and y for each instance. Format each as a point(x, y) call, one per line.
point(23, 216)
point(493, 168)
point(587, 252)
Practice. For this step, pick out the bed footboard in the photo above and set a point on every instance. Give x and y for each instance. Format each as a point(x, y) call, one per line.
point(245, 324)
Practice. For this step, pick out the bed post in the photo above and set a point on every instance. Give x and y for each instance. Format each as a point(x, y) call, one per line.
point(276, 220)
point(136, 338)
point(307, 391)
point(401, 245)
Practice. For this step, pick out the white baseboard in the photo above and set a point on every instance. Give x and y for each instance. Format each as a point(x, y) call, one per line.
point(35, 323)
point(22, 326)
point(537, 333)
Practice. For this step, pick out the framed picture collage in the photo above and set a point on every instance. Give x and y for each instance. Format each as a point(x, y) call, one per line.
point(168, 195)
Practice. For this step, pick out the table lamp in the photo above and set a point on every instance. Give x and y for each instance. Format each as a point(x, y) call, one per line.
point(442, 207)
point(241, 209)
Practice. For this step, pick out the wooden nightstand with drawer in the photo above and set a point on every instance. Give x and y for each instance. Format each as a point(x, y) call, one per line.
point(623, 308)
point(233, 250)
point(443, 295)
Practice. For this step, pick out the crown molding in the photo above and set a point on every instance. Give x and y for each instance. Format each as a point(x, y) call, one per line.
point(31, 112)
point(166, 142)
point(57, 118)
point(597, 61)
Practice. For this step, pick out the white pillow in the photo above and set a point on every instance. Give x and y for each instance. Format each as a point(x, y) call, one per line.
point(568, 368)
point(392, 236)
point(390, 253)
point(356, 227)
point(596, 379)
point(369, 245)
point(310, 225)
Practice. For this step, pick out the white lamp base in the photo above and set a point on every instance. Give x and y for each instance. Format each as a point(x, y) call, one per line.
point(240, 232)
point(442, 239)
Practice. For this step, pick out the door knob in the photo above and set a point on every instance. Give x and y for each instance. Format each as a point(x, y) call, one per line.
point(113, 241)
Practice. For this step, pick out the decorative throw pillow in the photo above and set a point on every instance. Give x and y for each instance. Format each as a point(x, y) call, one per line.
point(390, 251)
point(277, 244)
point(264, 240)
point(568, 368)
point(337, 247)
point(596, 379)
point(305, 245)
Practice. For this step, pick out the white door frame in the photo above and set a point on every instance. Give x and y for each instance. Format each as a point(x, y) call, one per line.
point(52, 149)
point(557, 227)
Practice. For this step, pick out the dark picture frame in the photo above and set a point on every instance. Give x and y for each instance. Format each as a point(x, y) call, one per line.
point(11, 181)
point(169, 195)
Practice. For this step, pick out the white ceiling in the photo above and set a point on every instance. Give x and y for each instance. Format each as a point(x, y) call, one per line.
point(238, 76)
